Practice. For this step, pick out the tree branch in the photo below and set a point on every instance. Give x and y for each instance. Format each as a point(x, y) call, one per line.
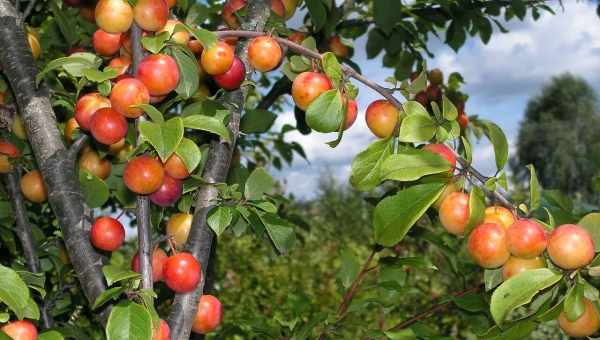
point(201, 236)
point(354, 286)
point(282, 86)
point(433, 309)
point(58, 170)
point(23, 231)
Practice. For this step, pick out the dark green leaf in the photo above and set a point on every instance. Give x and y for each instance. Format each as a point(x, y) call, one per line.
point(534, 189)
point(257, 121)
point(325, 114)
point(13, 291)
point(129, 321)
point(258, 183)
point(95, 190)
point(220, 218)
point(411, 164)
point(280, 231)
point(591, 223)
point(207, 123)
point(366, 167)
point(189, 153)
point(163, 137)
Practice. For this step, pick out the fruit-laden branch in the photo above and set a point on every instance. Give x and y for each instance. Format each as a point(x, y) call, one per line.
point(201, 236)
point(433, 309)
point(55, 162)
point(385, 92)
point(142, 211)
point(23, 231)
point(495, 195)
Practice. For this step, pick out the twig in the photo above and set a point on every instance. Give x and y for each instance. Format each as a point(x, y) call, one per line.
point(142, 211)
point(433, 309)
point(349, 295)
point(482, 179)
point(23, 231)
point(28, 9)
point(282, 86)
point(77, 146)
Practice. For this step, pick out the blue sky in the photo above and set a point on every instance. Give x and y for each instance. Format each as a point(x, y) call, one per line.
point(500, 78)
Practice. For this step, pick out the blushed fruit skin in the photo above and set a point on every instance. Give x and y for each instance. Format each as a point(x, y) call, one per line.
point(90, 160)
point(436, 77)
point(234, 77)
point(151, 15)
point(422, 98)
point(128, 92)
point(143, 175)
point(338, 48)
point(516, 265)
point(587, 324)
point(115, 148)
point(217, 59)
point(5, 166)
point(195, 46)
point(113, 16)
point(182, 272)
point(444, 151)
point(178, 228)
point(179, 37)
point(86, 106)
point(159, 257)
point(450, 188)
point(351, 113)
point(297, 37)
point(487, 245)
point(163, 332)
point(308, 86)
point(168, 193)
point(7, 148)
point(121, 64)
point(499, 215)
point(434, 93)
point(463, 120)
point(175, 167)
point(70, 127)
point(570, 246)
point(20, 330)
point(209, 315)
point(264, 53)
point(160, 74)
point(278, 8)
point(33, 187)
point(106, 44)
point(232, 6)
point(526, 239)
point(382, 118)
point(107, 233)
point(108, 126)
point(454, 213)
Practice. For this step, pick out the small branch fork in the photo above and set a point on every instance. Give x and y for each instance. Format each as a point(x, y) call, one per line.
point(349, 295)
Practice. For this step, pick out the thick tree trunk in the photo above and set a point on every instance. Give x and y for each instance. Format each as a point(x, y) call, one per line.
point(219, 158)
point(55, 162)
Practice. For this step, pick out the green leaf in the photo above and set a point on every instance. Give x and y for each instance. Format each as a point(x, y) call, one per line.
point(519, 290)
point(471, 302)
point(281, 232)
point(448, 109)
point(220, 218)
point(534, 189)
point(412, 262)
point(190, 154)
point(156, 42)
point(51, 335)
point(32, 311)
point(73, 65)
point(366, 166)
point(318, 13)
point(164, 137)
point(114, 273)
point(97, 76)
point(499, 142)
point(257, 121)
point(349, 267)
point(188, 73)
point(518, 330)
point(573, 305)
point(417, 128)
point(387, 13)
point(95, 190)
point(411, 164)
point(414, 108)
point(13, 291)
point(152, 112)
point(324, 114)
point(591, 223)
point(332, 68)
point(395, 215)
point(207, 123)
point(468, 150)
point(110, 294)
point(207, 38)
point(258, 183)
point(129, 321)
point(476, 208)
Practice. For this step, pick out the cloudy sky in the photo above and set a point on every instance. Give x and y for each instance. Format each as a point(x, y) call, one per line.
point(501, 76)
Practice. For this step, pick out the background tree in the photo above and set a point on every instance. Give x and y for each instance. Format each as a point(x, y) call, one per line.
point(559, 136)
